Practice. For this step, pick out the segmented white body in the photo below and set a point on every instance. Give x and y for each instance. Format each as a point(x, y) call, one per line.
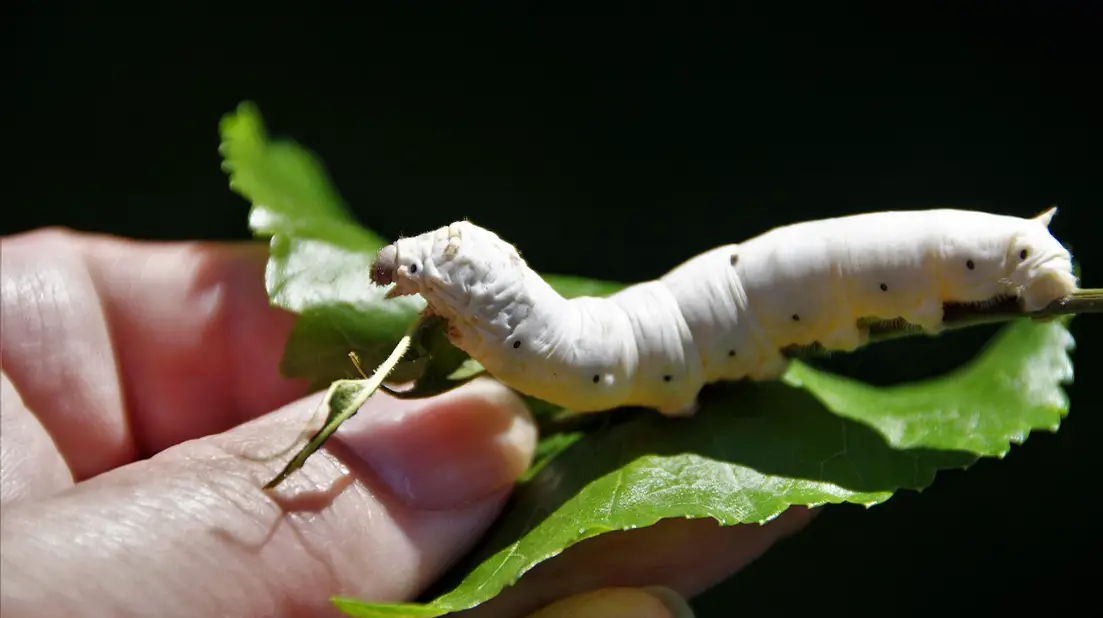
point(725, 314)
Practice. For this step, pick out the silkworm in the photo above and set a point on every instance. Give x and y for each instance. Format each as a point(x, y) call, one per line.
point(726, 314)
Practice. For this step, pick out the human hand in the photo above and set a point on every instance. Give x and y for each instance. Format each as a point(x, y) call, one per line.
point(139, 382)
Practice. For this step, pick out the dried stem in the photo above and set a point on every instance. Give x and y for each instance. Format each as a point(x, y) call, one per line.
point(361, 391)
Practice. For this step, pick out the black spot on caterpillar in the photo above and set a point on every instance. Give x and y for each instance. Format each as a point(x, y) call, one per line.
point(801, 284)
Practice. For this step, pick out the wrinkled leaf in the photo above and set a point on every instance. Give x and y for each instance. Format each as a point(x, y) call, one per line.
point(756, 449)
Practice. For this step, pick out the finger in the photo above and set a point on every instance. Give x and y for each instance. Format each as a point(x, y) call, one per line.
point(122, 348)
point(56, 349)
point(687, 556)
point(190, 533)
point(30, 466)
point(619, 603)
point(194, 332)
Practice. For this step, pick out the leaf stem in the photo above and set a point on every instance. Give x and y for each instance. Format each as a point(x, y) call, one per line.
point(957, 316)
point(363, 390)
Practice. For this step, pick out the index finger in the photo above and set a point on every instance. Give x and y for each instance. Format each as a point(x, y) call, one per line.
point(139, 345)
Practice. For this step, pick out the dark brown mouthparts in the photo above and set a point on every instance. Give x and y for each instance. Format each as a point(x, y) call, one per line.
point(382, 269)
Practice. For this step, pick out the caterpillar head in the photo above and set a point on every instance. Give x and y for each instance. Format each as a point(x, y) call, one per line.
point(1042, 270)
point(388, 268)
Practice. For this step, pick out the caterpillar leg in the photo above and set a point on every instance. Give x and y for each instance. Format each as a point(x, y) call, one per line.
point(845, 338)
point(773, 366)
point(928, 316)
point(680, 411)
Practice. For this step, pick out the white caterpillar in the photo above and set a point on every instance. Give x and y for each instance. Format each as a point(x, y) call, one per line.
point(725, 314)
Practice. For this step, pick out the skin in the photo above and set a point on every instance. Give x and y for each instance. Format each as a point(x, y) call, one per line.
point(140, 395)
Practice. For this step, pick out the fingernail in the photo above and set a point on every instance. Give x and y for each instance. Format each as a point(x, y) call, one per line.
point(446, 451)
point(619, 603)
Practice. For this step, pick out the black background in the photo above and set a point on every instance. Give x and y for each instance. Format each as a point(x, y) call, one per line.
point(615, 147)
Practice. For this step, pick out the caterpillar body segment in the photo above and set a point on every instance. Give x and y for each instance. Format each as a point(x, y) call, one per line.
point(727, 313)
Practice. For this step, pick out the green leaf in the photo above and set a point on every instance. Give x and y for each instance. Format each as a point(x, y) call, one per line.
point(287, 185)
point(755, 449)
point(320, 259)
point(447, 366)
point(751, 451)
point(340, 311)
point(573, 287)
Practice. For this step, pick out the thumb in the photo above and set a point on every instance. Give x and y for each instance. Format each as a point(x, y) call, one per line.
point(398, 494)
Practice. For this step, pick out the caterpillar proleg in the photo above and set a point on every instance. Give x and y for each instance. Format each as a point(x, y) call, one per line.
point(727, 313)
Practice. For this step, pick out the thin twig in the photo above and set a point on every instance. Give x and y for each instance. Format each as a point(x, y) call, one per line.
point(334, 418)
point(957, 316)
